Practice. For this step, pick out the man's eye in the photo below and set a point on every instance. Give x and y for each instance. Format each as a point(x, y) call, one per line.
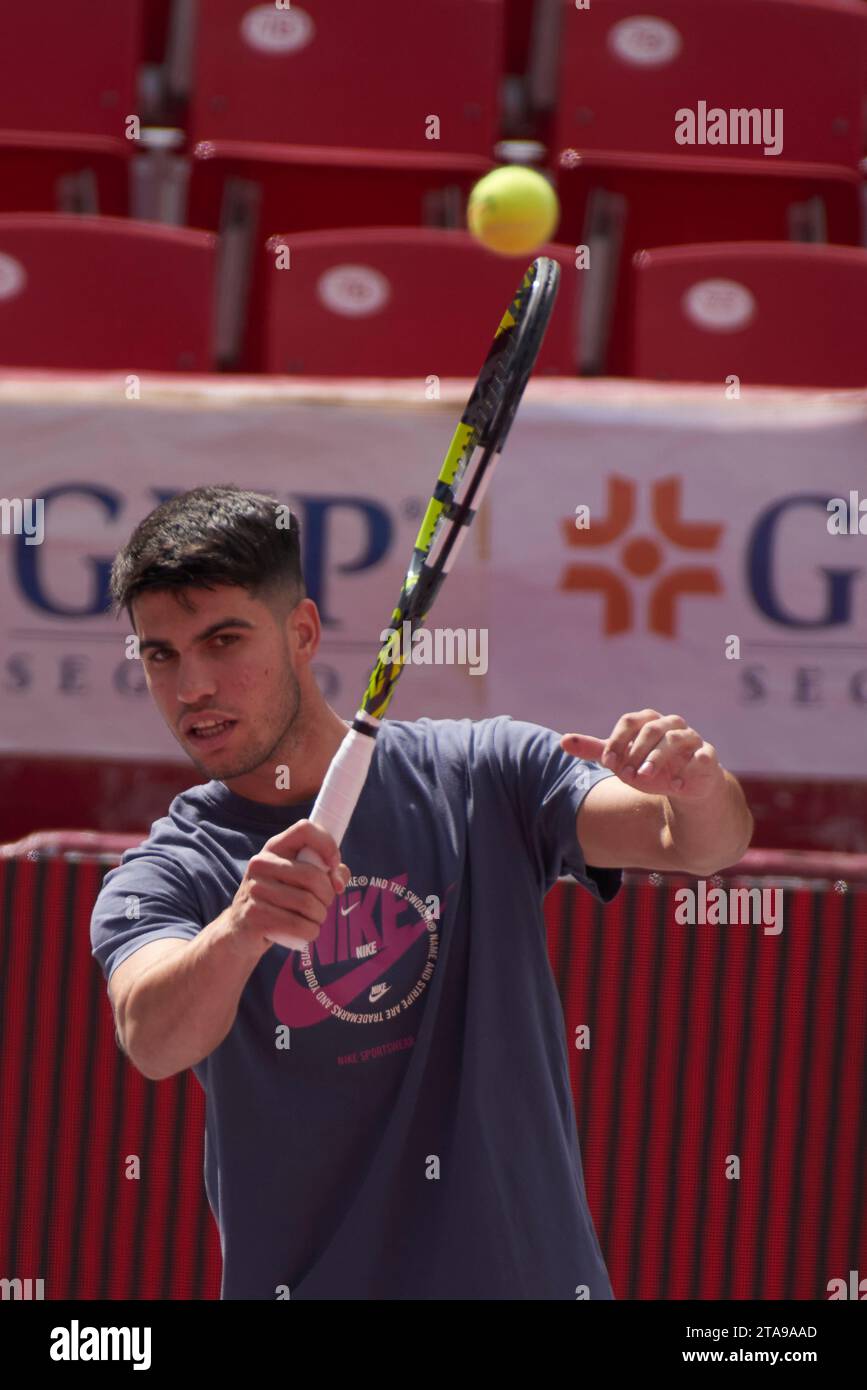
point(160, 655)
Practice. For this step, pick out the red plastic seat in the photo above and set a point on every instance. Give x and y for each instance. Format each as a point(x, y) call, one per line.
point(104, 293)
point(304, 189)
point(626, 184)
point(519, 17)
point(52, 172)
point(619, 205)
point(70, 67)
point(156, 21)
point(334, 72)
point(401, 302)
point(626, 70)
point(769, 314)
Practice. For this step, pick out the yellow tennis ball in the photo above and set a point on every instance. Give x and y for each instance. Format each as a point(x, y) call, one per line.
point(513, 210)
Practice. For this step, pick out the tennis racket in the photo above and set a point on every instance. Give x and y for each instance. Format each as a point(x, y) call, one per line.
point(463, 480)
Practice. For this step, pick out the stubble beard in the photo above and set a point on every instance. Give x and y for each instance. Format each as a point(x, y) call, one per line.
point(290, 735)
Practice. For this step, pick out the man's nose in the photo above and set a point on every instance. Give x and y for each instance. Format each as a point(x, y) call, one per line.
point(194, 682)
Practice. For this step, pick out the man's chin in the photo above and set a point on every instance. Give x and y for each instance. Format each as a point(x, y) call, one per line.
point(221, 763)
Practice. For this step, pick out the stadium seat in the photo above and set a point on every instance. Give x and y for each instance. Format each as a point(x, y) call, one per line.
point(618, 205)
point(70, 67)
point(104, 293)
point(770, 314)
point(155, 26)
point(302, 189)
point(333, 72)
point(627, 71)
point(519, 16)
point(400, 302)
point(626, 184)
point(53, 172)
point(251, 192)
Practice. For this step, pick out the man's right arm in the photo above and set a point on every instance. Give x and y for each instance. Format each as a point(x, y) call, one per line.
point(175, 1001)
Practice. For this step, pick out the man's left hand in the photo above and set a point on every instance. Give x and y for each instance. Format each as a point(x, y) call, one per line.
point(653, 752)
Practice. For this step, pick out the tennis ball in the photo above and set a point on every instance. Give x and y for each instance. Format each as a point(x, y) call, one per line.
point(513, 210)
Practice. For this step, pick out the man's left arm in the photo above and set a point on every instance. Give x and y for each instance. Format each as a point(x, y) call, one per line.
point(669, 806)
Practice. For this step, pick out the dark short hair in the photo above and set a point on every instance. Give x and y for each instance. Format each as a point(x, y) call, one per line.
point(213, 535)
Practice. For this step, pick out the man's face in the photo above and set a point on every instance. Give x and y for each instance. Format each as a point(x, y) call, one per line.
point(229, 660)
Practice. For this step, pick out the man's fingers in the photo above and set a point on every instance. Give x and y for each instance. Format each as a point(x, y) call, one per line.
point(340, 878)
point(291, 898)
point(285, 929)
point(582, 745)
point(646, 749)
point(628, 746)
point(267, 865)
point(625, 730)
point(304, 834)
point(670, 749)
point(642, 739)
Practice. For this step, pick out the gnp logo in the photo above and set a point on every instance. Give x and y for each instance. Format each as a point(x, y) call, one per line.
point(65, 503)
point(642, 557)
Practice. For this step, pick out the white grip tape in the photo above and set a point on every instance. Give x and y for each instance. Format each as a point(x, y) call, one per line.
point(337, 799)
point(339, 793)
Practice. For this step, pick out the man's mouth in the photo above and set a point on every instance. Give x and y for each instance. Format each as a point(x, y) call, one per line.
point(209, 731)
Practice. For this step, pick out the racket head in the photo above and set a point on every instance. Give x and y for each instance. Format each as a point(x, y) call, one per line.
point(484, 426)
point(535, 304)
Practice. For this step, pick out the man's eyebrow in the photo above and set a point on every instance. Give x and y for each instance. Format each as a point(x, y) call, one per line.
point(200, 636)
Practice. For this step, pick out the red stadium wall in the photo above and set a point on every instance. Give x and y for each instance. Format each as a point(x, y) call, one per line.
point(127, 797)
point(705, 1041)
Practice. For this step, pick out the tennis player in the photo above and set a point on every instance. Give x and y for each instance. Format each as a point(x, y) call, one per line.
point(389, 1114)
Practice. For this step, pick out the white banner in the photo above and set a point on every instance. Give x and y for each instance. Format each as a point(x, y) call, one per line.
point(702, 578)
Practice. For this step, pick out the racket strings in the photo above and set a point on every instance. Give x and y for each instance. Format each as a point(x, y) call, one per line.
point(465, 473)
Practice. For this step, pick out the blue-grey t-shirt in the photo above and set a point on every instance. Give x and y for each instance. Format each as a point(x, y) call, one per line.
point(390, 1115)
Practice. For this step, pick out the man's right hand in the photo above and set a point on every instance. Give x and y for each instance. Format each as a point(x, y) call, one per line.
point(281, 900)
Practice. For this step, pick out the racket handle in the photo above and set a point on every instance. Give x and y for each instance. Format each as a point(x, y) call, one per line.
point(344, 780)
point(338, 797)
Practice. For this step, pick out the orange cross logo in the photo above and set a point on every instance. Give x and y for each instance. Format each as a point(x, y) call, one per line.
point(642, 556)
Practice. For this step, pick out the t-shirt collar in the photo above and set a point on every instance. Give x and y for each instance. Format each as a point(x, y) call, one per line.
point(242, 808)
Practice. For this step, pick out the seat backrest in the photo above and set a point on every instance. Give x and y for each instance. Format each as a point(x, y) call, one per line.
point(711, 77)
point(767, 313)
point(105, 293)
point(619, 206)
point(70, 67)
point(400, 302)
point(395, 75)
point(46, 172)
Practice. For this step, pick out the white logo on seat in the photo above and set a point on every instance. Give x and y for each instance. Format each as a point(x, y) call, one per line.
point(722, 306)
point(353, 290)
point(13, 277)
point(644, 41)
point(270, 30)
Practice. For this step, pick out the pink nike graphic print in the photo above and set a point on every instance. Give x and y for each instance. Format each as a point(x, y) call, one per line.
point(368, 932)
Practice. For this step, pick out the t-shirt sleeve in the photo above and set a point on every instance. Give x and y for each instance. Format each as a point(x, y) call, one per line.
point(546, 787)
point(146, 897)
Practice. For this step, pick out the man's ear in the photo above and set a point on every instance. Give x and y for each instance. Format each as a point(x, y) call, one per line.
point(306, 627)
